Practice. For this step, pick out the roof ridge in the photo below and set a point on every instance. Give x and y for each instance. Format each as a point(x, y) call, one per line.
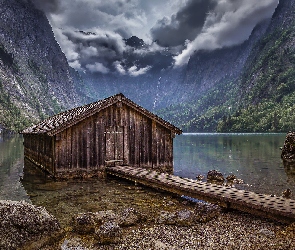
point(62, 120)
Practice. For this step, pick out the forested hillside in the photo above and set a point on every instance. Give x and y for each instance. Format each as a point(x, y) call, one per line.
point(261, 98)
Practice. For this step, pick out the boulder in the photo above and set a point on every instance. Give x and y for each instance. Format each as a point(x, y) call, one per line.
point(288, 150)
point(184, 217)
point(215, 176)
point(21, 222)
point(287, 193)
point(205, 211)
point(73, 243)
point(167, 218)
point(231, 178)
point(200, 177)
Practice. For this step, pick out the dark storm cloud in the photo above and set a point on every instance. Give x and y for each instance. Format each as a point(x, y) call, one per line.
point(187, 23)
point(95, 50)
point(48, 6)
point(102, 52)
point(184, 25)
point(229, 23)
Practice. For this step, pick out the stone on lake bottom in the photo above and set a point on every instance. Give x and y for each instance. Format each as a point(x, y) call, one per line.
point(128, 217)
point(109, 233)
point(87, 222)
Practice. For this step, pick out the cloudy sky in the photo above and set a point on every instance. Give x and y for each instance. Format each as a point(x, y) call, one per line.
point(91, 33)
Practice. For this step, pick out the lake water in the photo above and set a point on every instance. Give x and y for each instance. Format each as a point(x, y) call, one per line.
point(254, 158)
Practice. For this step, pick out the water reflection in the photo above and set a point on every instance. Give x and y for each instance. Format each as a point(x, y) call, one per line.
point(11, 168)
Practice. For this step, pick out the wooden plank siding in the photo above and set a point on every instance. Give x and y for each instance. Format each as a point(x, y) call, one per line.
point(39, 149)
point(118, 133)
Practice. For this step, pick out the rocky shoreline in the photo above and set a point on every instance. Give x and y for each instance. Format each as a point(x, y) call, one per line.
point(197, 226)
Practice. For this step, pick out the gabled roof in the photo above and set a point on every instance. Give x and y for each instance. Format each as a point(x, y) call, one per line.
point(57, 123)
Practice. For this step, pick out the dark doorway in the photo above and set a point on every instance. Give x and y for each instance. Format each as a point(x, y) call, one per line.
point(114, 145)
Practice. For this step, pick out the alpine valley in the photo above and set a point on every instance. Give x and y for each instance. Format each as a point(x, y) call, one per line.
point(248, 87)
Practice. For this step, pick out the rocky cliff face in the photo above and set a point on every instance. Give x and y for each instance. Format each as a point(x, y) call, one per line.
point(249, 87)
point(208, 69)
point(269, 72)
point(35, 79)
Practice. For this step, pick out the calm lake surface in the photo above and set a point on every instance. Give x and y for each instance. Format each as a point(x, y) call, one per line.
point(254, 158)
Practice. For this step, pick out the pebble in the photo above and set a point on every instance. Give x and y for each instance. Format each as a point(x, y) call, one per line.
point(225, 232)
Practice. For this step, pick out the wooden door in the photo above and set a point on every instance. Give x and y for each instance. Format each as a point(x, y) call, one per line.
point(114, 142)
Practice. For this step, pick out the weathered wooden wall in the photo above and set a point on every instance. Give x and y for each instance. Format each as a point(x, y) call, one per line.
point(39, 149)
point(115, 133)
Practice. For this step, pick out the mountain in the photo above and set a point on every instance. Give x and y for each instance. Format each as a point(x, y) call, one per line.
point(210, 86)
point(35, 78)
point(266, 86)
point(245, 88)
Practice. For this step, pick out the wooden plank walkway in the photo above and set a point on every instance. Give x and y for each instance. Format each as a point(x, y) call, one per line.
point(276, 208)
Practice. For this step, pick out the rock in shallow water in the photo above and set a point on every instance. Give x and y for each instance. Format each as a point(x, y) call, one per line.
point(129, 217)
point(85, 223)
point(206, 211)
point(215, 176)
point(21, 222)
point(108, 233)
point(288, 150)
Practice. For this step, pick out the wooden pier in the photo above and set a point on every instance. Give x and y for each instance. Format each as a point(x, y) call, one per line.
point(276, 208)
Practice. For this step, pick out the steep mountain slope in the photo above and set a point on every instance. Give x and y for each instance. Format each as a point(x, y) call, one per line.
point(267, 85)
point(35, 79)
point(210, 87)
point(254, 93)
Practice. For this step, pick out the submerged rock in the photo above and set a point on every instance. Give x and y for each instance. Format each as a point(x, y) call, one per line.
point(231, 178)
point(88, 222)
point(287, 193)
point(21, 222)
point(180, 218)
point(106, 225)
point(167, 218)
point(200, 177)
point(185, 217)
point(205, 212)
point(129, 217)
point(109, 233)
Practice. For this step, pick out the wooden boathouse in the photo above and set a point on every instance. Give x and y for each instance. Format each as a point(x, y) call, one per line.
point(82, 141)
